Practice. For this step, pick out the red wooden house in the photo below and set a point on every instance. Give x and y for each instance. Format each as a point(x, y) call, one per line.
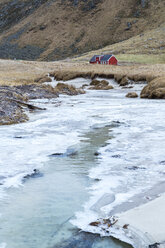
point(95, 59)
point(104, 59)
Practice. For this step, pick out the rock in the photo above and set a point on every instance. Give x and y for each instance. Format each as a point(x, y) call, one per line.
point(104, 82)
point(95, 82)
point(158, 93)
point(132, 95)
point(125, 81)
point(149, 78)
point(69, 153)
point(100, 85)
point(37, 91)
point(57, 154)
point(12, 92)
point(84, 85)
point(116, 156)
point(119, 77)
point(126, 226)
point(155, 245)
point(30, 106)
point(34, 174)
point(155, 89)
point(96, 153)
point(129, 25)
point(95, 223)
point(14, 99)
point(67, 89)
point(11, 112)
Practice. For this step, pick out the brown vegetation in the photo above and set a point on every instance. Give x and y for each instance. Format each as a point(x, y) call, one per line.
point(67, 89)
point(154, 89)
point(62, 28)
point(26, 72)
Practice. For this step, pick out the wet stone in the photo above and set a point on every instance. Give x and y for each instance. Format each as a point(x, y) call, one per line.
point(156, 245)
point(116, 156)
point(96, 153)
point(35, 174)
point(57, 154)
point(162, 162)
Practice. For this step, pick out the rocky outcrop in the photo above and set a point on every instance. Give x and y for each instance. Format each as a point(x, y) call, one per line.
point(132, 95)
point(100, 85)
point(155, 89)
point(14, 101)
point(11, 112)
point(37, 91)
point(125, 81)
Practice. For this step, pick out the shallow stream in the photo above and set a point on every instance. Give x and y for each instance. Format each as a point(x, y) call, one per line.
point(85, 157)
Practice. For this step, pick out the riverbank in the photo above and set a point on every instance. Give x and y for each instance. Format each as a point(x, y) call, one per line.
point(13, 74)
point(28, 72)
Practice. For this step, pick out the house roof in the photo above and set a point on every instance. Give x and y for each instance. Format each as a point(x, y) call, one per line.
point(93, 59)
point(106, 57)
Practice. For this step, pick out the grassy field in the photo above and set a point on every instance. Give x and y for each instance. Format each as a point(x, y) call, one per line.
point(25, 72)
point(142, 58)
point(146, 48)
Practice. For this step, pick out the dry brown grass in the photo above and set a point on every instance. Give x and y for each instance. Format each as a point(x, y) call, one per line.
point(25, 72)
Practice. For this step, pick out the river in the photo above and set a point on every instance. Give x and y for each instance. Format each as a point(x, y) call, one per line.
point(85, 157)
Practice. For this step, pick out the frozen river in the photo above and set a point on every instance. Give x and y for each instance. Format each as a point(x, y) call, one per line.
point(91, 154)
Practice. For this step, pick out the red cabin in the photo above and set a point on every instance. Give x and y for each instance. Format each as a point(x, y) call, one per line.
point(104, 59)
point(95, 59)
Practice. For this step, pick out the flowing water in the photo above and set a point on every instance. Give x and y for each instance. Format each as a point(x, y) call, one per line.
point(85, 157)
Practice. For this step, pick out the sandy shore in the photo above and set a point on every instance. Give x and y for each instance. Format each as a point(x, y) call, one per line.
point(146, 224)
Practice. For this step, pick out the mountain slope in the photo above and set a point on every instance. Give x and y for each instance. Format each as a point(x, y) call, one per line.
point(57, 29)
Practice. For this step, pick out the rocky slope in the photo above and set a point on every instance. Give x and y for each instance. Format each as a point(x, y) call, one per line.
point(56, 29)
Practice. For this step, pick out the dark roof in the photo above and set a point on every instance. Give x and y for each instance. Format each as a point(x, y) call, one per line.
point(93, 59)
point(106, 58)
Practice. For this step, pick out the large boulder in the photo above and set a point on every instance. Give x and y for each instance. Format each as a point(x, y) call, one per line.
point(95, 82)
point(158, 93)
point(154, 89)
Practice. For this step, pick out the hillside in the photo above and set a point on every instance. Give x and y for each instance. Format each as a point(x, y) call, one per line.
point(57, 29)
